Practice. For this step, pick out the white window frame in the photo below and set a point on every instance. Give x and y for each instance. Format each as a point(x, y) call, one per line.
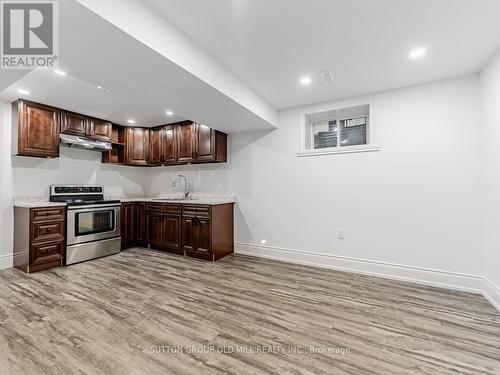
point(372, 136)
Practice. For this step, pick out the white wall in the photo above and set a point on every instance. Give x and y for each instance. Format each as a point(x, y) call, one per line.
point(490, 94)
point(416, 202)
point(31, 177)
point(6, 187)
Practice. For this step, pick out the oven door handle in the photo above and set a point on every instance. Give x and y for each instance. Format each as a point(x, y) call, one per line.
point(95, 207)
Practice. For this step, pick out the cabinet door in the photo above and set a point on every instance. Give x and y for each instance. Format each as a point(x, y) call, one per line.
point(169, 145)
point(188, 233)
point(203, 235)
point(185, 143)
point(73, 123)
point(196, 235)
point(137, 146)
point(38, 130)
point(140, 219)
point(154, 229)
point(155, 146)
point(205, 143)
point(172, 234)
point(128, 226)
point(100, 130)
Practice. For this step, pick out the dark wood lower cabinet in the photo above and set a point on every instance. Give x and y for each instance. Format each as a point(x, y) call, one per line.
point(128, 225)
point(140, 219)
point(196, 235)
point(154, 226)
point(39, 238)
point(172, 234)
point(199, 231)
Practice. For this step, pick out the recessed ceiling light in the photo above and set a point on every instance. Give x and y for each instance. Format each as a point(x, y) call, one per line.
point(130, 121)
point(305, 80)
point(418, 53)
point(170, 113)
point(60, 72)
point(24, 92)
point(103, 89)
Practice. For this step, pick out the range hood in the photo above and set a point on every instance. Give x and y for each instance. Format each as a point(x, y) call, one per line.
point(85, 143)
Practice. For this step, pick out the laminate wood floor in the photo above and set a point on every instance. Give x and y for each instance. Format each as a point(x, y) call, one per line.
point(145, 312)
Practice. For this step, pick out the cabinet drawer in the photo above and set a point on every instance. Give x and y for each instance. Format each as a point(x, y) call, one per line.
point(196, 210)
point(153, 208)
point(44, 214)
point(171, 209)
point(47, 231)
point(46, 252)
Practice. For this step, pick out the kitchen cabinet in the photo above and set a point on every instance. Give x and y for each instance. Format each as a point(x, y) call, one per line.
point(207, 231)
point(172, 234)
point(196, 236)
point(200, 231)
point(140, 220)
point(185, 142)
point(100, 130)
point(128, 225)
point(39, 237)
point(84, 126)
point(137, 146)
point(163, 226)
point(155, 146)
point(154, 226)
point(198, 143)
point(169, 146)
point(37, 130)
point(74, 124)
point(162, 146)
point(133, 225)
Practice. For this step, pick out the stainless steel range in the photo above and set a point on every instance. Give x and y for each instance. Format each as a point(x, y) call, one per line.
point(92, 224)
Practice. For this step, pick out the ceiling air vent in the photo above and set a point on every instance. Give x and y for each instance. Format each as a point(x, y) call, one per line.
point(327, 76)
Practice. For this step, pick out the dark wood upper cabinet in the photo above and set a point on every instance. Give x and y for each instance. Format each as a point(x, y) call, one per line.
point(204, 143)
point(137, 145)
point(210, 145)
point(155, 146)
point(100, 130)
point(73, 123)
point(197, 143)
point(76, 124)
point(185, 142)
point(37, 129)
point(169, 145)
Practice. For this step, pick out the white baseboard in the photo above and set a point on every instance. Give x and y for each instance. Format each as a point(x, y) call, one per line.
point(6, 261)
point(492, 293)
point(420, 275)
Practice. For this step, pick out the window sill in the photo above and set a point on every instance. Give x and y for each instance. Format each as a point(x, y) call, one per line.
point(340, 150)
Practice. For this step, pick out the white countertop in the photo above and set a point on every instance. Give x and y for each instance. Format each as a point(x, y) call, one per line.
point(197, 199)
point(205, 199)
point(34, 202)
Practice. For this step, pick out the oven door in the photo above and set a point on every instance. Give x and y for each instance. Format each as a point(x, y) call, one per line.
point(93, 223)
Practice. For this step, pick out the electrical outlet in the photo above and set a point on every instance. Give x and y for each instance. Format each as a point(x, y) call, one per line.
point(340, 234)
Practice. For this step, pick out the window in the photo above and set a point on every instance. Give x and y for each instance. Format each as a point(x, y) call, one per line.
point(346, 129)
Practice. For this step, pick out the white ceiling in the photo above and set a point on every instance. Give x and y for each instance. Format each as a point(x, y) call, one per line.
point(270, 44)
point(143, 84)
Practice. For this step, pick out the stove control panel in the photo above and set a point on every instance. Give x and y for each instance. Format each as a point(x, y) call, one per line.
point(75, 190)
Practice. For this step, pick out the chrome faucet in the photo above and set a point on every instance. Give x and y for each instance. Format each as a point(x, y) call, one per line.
point(188, 189)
